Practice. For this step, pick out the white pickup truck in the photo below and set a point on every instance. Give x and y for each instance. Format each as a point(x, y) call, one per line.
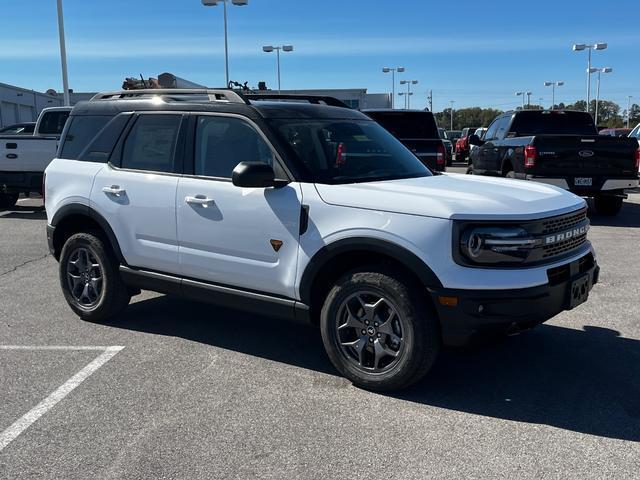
point(23, 158)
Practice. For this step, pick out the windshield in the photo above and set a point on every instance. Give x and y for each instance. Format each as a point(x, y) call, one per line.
point(635, 132)
point(405, 125)
point(443, 134)
point(553, 123)
point(348, 151)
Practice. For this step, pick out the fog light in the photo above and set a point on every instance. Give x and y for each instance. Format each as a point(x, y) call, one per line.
point(448, 301)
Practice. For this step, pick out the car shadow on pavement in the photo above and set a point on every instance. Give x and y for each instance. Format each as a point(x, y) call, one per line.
point(24, 213)
point(586, 381)
point(629, 216)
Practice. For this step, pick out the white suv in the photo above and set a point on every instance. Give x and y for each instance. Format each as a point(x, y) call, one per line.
point(305, 210)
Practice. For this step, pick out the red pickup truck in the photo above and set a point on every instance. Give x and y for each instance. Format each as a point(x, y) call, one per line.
point(462, 145)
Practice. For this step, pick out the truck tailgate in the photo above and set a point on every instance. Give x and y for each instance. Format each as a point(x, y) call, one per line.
point(590, 155)
point(425, 149)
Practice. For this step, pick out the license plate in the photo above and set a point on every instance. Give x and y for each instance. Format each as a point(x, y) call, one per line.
point(579, 291)
point(583, 181)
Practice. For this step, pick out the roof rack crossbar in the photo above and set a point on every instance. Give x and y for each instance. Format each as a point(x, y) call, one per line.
point(315, 99)
point(214, 94)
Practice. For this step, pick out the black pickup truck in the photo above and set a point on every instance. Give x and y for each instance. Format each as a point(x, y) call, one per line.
point(561, 148)
point(417, 130)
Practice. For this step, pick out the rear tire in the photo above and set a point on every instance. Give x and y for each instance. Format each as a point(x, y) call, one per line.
point(8, 200)
point(378, 330)
point(607, 206)
point(90, 279)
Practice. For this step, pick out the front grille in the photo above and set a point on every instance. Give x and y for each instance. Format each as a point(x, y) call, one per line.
point(564, 247)
point(563, 222)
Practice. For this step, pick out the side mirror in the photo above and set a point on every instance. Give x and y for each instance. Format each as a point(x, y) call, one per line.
point(475, 140)
point(255, 175)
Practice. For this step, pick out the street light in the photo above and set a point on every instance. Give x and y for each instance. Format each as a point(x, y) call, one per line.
point(451, 111)
point(599, 70)
point(408, 83)
point(629, 97)
point(63, 57)
point(393, 81)
point(214, 3)
point(284, 48)
point(528, 94)
point(553, 86)
point(582, 46)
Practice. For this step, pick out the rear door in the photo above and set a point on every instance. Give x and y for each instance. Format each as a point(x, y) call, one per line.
point(241, 237)
point(136, 191)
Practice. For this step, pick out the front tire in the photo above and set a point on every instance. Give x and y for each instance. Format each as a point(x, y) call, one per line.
point(90, 280)
point(378, 329)
point(607, 206)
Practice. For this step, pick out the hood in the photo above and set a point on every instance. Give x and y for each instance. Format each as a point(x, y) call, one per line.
point(456, 196)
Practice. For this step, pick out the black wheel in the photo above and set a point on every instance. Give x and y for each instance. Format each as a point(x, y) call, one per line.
point(378, 330)
point(608, 206)
point(8, 200)
point(90, 279)
point(470, 170)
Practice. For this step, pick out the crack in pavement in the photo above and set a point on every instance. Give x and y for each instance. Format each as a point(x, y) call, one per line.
point(14, 269)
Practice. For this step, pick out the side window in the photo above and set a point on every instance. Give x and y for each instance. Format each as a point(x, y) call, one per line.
point(491, 131)
point(224, 142)
point(81, 131)
point(503, 124)
point(151, 143)
point(52, 123)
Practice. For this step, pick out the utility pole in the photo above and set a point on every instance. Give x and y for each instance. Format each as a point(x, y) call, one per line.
point(451, 111)
point(628, 109)
point(63, 55)
point(430, 100)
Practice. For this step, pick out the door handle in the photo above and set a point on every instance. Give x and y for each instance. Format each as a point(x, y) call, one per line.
point(114, 190)
point(202, 200)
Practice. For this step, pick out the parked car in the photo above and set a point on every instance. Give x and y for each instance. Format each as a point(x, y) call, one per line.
point(23, 158)
point(561, 148)
point(26, 128)
point(448, 146)
point(418, 131)
point(306, 211)
point(462, 145)
point(615, 132)
point(635, 133)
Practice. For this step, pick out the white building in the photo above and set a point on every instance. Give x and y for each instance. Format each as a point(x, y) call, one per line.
point(22, 105)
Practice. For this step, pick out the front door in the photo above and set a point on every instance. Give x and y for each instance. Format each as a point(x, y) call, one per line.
point(241, 237)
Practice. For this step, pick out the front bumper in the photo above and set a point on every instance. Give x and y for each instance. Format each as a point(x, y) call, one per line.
point(50, 231)
point(475, 313)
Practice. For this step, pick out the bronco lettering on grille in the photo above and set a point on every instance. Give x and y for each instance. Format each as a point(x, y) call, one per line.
point(567, 235)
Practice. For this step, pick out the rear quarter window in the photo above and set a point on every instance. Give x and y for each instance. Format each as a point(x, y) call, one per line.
point(82, 130)
point(52, 123)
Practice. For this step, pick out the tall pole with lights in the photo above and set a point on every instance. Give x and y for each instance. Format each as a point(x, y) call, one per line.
point(629, 97)
point(553, 86)
point(598, 71)
point(408, 83)
point(451, 112)
point(284, 48)
point(582, 46)
point(213, 3)
point(393, 81)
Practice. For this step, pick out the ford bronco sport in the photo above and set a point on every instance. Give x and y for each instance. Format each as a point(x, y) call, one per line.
point(301, 208)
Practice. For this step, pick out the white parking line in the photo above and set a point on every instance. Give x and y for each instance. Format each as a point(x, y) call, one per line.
point(48, 403)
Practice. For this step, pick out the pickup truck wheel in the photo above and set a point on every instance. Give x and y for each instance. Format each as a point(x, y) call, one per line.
point(8, 200)
point(470, 170)
point(90, 279)
point(378, 330)
point(607, 206)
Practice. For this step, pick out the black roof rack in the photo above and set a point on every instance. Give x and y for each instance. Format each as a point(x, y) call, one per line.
point(315, 99)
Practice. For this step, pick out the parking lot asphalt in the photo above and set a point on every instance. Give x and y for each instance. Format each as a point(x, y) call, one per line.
point(202, 392)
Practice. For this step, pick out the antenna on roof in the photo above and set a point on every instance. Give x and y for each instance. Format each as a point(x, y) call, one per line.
point(144, 84)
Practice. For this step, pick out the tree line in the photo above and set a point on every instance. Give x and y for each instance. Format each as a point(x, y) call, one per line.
point(610, 115)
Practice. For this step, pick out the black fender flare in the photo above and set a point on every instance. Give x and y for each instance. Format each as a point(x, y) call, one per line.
point(86, 211)
point(367, 244)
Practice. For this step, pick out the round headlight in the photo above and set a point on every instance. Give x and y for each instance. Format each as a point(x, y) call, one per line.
point(474, 244)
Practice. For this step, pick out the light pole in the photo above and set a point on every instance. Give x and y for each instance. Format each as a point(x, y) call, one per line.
point(528, 94)
point(582, 46)
point(63, 56)
point(629, 97)
point(284, 48)
point(213, 3)
point(599, 70)
point(553, 86)
point(451, 111)
point(393, 81)
point(408, 83)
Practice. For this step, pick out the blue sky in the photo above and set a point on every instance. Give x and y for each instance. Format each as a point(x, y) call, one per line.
point(476, 53)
